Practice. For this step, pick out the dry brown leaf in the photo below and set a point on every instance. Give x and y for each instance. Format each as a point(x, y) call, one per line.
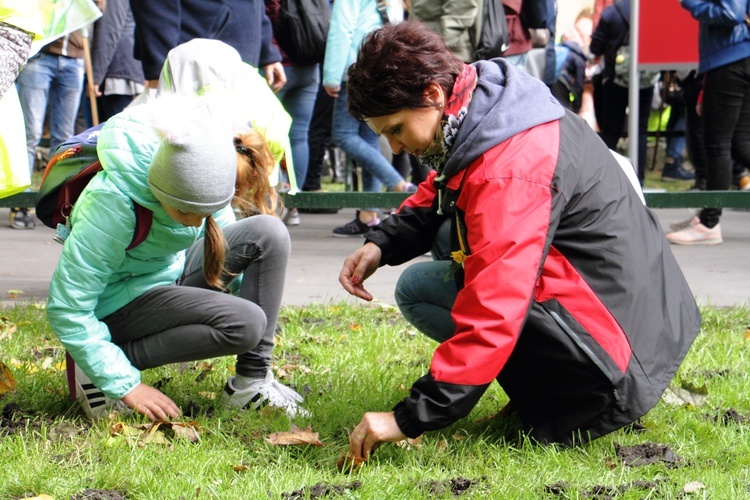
point(410, 443)
point(349, 463)
point(747, 334)
point(296, 436)
point(240, 468)
point(7, 328)
point(7, 380)
point(13, 294)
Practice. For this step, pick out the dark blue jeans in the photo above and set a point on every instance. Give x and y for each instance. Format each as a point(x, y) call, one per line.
point(726, 125)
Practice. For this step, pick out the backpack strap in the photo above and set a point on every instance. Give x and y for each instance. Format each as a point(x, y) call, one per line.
point(143, 220)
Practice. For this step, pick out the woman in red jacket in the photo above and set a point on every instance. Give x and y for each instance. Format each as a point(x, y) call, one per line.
point(564, 289)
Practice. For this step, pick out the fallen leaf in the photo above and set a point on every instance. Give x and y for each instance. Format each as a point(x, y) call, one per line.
point(240, 468)
point(349, 463)
point(13, 294)
point(7, 328)
point(747, 334)
point(296, 436)
point(685, 394)
point(410, 443)
point(693, 487)
point(7, 380)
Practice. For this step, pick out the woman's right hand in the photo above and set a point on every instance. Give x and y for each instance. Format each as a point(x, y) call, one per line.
point(358, 267)
point(151, 402)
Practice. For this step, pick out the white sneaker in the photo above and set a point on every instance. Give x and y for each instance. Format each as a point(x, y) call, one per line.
point(262, 392)
point(93, 401)
point(291, 218)
point(684, 224)
point(697, 235)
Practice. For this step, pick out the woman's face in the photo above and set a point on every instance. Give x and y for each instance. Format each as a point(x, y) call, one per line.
point(411, 129)
point(185, 218)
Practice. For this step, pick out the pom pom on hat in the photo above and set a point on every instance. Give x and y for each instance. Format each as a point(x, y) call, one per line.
point(195, 166)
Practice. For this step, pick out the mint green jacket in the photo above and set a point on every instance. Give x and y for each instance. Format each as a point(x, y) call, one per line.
point(96, 275)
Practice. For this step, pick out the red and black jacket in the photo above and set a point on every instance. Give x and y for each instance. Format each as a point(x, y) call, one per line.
point(564, 263)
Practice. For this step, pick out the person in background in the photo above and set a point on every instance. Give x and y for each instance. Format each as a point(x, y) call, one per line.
point(561, 285)
point(162, 25)
point(52, 79)
point(724, 59)
point(298, 97)
point(611, 106)
point(20, 24)
point(351, 20)
point(119, 310)
point(118, 76)
point(453, 19)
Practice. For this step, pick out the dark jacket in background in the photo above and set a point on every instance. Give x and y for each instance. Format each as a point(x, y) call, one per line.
point(112, 45)
point(609, 35)
point(162, 25)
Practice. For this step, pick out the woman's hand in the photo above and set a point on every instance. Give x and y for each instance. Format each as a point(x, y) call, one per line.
point(373, 429)
point(358, 267)
point(152, 403)
point(275, 76)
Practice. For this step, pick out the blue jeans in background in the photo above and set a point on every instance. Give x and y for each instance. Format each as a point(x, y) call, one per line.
point(298, 98)
point(360, 144)
point(53, 80)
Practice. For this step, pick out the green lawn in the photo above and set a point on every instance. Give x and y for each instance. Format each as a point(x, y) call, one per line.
point(347, 360)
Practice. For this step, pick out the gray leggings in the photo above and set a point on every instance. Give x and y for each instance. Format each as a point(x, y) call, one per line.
point(190, 321)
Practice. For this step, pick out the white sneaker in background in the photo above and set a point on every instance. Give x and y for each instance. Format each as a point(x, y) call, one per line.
point(697, 235)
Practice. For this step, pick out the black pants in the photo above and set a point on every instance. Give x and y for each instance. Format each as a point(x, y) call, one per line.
point(610, 107)
point(726, 122)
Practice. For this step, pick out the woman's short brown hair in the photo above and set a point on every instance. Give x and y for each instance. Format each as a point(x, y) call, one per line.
point(396, 64)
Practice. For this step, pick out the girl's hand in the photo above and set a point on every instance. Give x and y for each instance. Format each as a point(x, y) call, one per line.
point(332, 91)
point(373, 429)
point(358, 267)
point(152, 403)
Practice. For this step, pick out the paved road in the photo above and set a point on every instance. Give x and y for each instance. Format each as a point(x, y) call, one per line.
point(718, 275)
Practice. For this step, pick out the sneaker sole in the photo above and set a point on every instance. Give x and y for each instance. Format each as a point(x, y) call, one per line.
point(697, 243)
point(676, 179)
point(335, 235)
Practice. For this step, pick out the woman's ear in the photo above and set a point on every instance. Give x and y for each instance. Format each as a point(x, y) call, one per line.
point(434, 95)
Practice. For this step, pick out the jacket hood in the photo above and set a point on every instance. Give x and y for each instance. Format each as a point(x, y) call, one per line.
point(506, 102)
point(127, 143)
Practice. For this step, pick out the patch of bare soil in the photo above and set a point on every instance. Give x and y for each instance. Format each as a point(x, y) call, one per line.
point(600, 492)
point(647, 454)
point(730, 416)
point(98, 495)
point(14, 420)
point(456, 486)
point(321, 490)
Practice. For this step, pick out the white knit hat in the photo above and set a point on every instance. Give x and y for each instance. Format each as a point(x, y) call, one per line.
point(195, 166)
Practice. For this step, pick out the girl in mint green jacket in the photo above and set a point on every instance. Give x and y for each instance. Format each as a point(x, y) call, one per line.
point(118, 311)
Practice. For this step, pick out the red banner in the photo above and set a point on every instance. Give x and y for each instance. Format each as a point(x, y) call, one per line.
point(668, 36)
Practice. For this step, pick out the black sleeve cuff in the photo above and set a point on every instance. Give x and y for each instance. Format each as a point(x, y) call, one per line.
point(408, 426)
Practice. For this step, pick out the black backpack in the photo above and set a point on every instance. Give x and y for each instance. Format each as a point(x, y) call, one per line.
point(302, 29)
point(493, 37)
